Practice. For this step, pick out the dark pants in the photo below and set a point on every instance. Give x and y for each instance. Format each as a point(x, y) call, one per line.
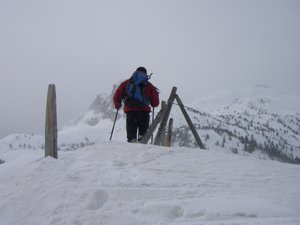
point(137, 122)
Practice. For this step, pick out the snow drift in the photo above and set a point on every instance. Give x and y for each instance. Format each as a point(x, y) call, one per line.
point(118, 183)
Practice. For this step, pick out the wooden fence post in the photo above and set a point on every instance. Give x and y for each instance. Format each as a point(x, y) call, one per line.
point(169, 133)
point(146, 137)
point(51, 123)
point(158, 139)
point(189, 121)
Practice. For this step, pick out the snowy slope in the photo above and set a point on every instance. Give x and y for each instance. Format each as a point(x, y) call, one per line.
point(125, 184)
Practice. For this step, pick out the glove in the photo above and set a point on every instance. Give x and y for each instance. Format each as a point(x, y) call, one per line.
point(118, 106)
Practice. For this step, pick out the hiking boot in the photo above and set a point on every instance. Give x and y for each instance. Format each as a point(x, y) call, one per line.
point(133, 141)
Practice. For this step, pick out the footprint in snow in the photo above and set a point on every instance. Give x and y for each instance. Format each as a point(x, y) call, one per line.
point(97, 199)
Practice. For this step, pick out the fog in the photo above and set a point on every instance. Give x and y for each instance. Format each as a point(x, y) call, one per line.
point(86, 46)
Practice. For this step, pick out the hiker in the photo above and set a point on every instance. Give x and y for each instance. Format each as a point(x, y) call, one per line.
point(138, 94)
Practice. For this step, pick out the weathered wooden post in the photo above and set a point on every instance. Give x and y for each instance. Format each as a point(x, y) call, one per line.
point(154, 124)
point(169, 133)
point(189, 121)
point(158, 139)
point(51, 123)
point(163, 136)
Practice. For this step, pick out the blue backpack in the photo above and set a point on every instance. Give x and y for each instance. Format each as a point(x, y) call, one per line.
point(134, 96)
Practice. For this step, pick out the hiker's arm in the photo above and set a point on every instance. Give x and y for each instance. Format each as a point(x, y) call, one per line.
point(118, 96)
point(154, 99)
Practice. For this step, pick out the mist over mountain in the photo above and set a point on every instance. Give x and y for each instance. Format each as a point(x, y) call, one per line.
point(255, 121)
point(100, 109)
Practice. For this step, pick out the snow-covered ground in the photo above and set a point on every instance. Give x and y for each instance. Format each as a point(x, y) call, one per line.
point(117, 183)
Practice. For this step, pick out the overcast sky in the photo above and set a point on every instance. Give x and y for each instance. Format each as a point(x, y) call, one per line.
point(85, 46)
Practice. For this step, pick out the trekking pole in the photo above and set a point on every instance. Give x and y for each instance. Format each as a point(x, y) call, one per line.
point(149, 76)
point(152, 122)
point(112, 130)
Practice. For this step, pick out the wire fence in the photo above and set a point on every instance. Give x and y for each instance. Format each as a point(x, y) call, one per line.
point(235, 125)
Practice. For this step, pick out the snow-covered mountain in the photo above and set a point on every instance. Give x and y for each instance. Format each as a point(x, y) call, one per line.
point(257, 121)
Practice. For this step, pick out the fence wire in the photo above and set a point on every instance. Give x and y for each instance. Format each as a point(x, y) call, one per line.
point(235, 125)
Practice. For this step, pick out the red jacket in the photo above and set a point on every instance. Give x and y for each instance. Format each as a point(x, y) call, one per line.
point(151, 93)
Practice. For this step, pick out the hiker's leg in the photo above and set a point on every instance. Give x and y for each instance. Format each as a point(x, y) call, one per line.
point(131, 125)
point(143, 123)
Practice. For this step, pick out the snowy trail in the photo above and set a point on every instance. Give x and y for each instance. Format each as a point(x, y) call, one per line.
point(126, 184)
